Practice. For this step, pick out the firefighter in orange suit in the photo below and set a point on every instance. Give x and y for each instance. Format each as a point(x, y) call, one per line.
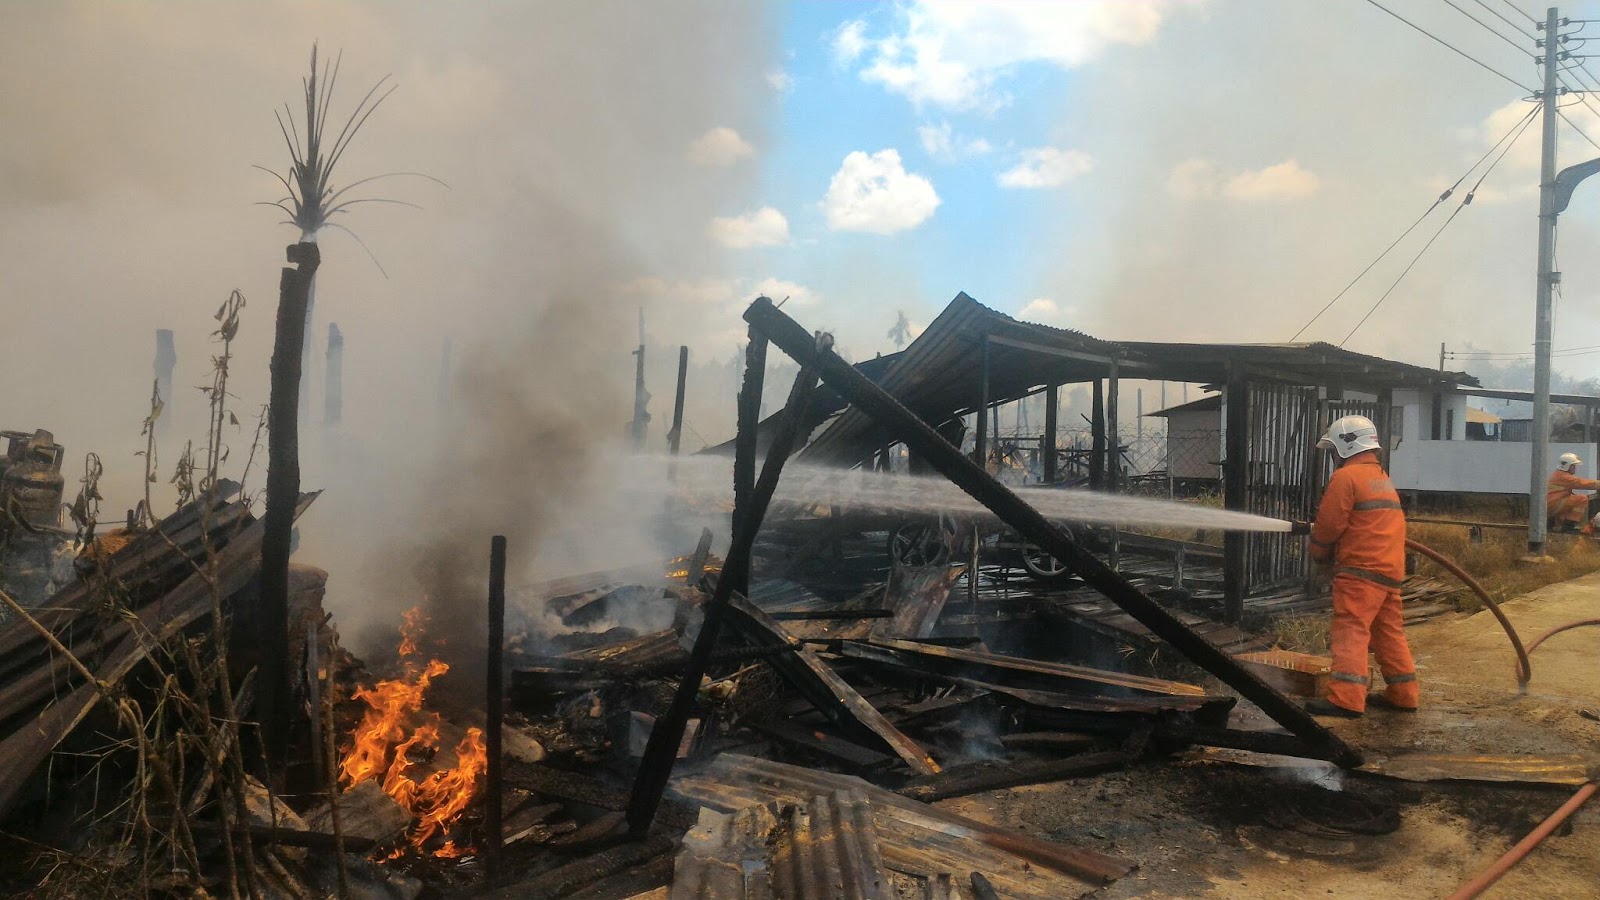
point(1361, 530)
point(1565, 509)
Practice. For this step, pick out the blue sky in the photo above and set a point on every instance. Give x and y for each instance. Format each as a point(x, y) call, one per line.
point(1221, 168)
point(979, 237)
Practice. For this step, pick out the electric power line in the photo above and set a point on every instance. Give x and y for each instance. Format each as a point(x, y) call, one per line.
point(1580, 131)
point(1486, 27)
point(1465, 202)
point(1504, 19)
point(1519, 11)
point(1441, 198)
point(1458, 51)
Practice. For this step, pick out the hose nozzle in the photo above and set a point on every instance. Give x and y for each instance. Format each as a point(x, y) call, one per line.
point(1299, 527)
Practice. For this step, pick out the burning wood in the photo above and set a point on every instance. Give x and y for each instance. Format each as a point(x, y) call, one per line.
point(394, 736)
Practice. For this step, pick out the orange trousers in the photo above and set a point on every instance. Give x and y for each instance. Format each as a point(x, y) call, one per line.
point(1365, 615)
point(1572, 508)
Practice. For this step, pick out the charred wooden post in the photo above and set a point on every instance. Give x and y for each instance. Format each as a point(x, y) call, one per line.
point(283, 492)
point(1235, 493)
point(493, 818)
point(750, 505)
point(333, 378)
point(1047, 445)
point(675, 436)
point(980, 444)
point(1097, 437)
point(872, 400)
point(1113, 430)
point(638, 428)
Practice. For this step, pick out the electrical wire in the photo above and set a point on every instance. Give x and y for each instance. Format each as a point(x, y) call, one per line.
point(1521, 12)
point(1486, 27)
point(1465, 202)
point(1580, 131)
point(1458, 51)
point(1441, 198)
point(1502, 18)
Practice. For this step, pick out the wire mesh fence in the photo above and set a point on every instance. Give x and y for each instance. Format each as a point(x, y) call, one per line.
point(1160, 463)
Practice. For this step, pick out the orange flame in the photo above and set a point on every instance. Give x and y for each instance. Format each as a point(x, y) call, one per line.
point(388, 735)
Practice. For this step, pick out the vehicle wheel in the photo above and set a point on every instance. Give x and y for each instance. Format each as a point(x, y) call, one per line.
point(919, 544)
point(1042, 566)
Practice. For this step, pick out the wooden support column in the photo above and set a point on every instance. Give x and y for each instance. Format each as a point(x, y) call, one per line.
point(1113, 433)
point(1385, 425)
point(1097, 432)
point(980, 443)
point(495, 709)
point(675, 436)
point(1047, 446)
point(1235, 491)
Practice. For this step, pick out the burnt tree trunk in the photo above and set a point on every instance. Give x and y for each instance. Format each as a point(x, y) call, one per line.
point(283, 491)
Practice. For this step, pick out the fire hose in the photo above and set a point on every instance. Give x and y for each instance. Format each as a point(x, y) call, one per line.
point(1524, 668)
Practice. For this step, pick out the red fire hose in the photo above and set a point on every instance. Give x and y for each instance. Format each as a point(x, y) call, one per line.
point(1558, 629)
point(1513, 856)
point(1524, 668)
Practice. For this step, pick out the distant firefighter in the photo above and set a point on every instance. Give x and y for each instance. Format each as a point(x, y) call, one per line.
point(1361, 530)
point(1567, 510)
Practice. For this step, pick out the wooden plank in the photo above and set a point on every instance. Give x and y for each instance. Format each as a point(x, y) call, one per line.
point(994, 776)
point(26, 748)
point(835, 698)
point(995, 667)
point(838, 749)
point(917, 596)
point(1557, 768)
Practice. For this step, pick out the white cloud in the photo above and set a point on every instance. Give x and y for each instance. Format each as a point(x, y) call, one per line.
point(779, 80)
point(766, 227)
point(1046, 167)
point(780, 290)
point(944, 145)
point(1046, 311)
point(706, 311)
point(849, 42)
point(954, 53)
point(1284, 181)
point(876, 194)
point(719, 147)
point(1196, 178)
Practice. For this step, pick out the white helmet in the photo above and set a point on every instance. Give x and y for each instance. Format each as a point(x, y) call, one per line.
point(1349, 436)
point(1570, 460)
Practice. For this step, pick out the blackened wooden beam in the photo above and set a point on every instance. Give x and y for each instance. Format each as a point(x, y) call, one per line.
point(751, 498)
point(1235, 493)
point(830, 694)
point(970, 477)
point(495, 704)
point(675, 436)
point(1047, 446)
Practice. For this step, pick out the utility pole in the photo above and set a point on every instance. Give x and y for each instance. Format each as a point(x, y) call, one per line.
point(1441, 357)
point(1537, 509)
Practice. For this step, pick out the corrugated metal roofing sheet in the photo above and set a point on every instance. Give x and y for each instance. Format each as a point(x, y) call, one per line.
point(825, 848)
point(935, 847)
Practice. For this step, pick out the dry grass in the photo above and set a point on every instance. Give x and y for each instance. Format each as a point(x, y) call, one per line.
point(1303, 633)
point(1496, 560)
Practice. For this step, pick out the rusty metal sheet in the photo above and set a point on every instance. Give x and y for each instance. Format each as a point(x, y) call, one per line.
point(916, 839)
point(917, 595)
point(822, 849)
point(1554, 768)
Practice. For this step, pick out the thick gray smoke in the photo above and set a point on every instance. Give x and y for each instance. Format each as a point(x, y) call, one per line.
point(562, 131)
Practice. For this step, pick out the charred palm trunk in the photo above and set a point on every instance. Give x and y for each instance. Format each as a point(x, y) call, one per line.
point(283, 491)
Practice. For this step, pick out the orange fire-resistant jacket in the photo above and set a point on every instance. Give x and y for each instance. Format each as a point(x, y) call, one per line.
point(1561, 485)
point(1360, 525)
